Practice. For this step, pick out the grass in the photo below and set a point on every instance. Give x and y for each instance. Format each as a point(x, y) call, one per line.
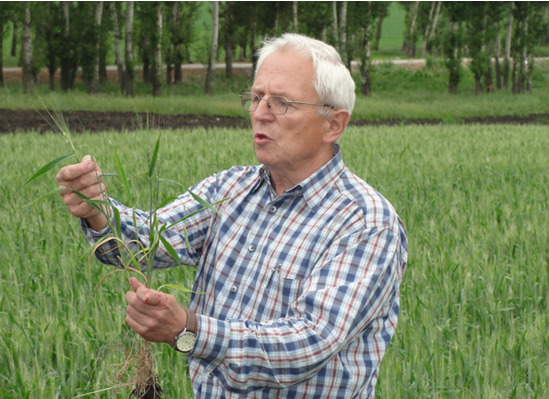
point(474, 299)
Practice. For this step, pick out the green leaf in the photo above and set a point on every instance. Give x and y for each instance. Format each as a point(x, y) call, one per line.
point(166, 201)
point(203, 203)
point(48, 167)
point(155, 156)
point(177, 287)
point(52, 192)
point(109, 175)
point(170, 250)
point(171, 181)
point(123, 177)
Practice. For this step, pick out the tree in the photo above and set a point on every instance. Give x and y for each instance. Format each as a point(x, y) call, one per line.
point(477, 22)
point(430, 26)
point(343, 32)
point(26, 49)
point(128, 50)
point(410, 29)
point(453, 42)
point(7, 13)
point(383, 13)
point(213, 50)
point(117, 33)
point(93, 85)
point(228, 40)
point(157, 51)
point(366, 19)
point(507, 59)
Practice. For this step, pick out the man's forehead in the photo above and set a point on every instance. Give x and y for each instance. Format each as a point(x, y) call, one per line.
point(283, 68)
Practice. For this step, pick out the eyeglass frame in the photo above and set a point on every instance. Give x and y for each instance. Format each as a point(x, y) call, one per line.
point(271, 107)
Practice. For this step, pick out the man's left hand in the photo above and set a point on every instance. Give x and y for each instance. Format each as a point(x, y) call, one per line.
point(155, 316)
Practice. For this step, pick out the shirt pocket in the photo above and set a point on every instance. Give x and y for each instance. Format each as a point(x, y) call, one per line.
point(282, 293)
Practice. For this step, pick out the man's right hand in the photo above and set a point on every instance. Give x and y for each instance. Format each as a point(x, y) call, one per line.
point(82, 177)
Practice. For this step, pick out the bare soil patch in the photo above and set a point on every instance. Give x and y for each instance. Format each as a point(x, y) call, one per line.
point(12, 121)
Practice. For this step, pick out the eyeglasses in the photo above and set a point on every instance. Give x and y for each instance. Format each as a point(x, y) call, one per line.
point(278, 105)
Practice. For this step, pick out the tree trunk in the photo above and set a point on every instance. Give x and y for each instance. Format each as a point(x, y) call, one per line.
point(277, 8)
point(507, 59)
point(94, 86)
point(117, 48)
point(379, 28)
point(169, 64)
point(50, 57)
point(253, 25)
point(523, 56)
point(157, 52)
point(228, 40)
point(128, 50)
point(454, 59)
point(213, 50)
point(178, 55)
point(334, 25)
point(1, 52)
point(343, 32)
point(497, 50)
point(410, 48)
point(14, 39)
point(365, 64)
point(431, 27)
point(26, 49)
point(67, 53)
point(294, 14)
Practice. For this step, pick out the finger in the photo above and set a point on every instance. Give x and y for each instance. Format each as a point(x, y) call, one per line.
point(95, 191)
point(151, 297)
point(71, 172)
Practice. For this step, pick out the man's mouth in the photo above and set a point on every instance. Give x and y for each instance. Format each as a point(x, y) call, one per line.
point(261, 138)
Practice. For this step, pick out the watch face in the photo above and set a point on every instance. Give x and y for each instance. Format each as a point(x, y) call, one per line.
point(185, 343)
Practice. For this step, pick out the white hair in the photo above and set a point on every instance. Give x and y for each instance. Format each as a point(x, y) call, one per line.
point(333, 82)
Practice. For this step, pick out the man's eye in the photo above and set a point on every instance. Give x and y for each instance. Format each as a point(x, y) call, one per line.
point(255, 99)
point(282, 102)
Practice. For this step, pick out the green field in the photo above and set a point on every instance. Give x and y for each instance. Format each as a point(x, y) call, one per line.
point(474, 312)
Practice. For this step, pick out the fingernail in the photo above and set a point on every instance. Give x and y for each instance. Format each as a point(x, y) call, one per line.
point(91, 166)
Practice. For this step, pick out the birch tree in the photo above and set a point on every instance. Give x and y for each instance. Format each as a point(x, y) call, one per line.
point(229, 39)
point(431, 26)
point(343, 32)
point(26, 49)
point(128, 50)
point(213, 49)
point(507, 59)
point(117, 47)
point(157, 52)
point(366, 19)
point(94, 86)
point(410, 31)
point(294, 14)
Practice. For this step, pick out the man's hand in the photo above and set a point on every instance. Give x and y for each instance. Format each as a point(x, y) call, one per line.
point(82, 177)
point(155, 316)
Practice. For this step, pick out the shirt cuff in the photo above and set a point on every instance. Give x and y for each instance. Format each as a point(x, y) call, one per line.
point(212, 341)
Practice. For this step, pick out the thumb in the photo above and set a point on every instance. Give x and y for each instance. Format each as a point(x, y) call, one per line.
point(135, 283)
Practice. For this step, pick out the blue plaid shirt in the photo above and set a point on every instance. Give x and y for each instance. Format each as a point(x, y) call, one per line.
point(301, 290)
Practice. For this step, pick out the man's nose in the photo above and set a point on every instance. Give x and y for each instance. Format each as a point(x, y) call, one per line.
point(263, 112)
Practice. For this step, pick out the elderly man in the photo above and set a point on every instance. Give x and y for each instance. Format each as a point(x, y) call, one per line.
point(302, 267)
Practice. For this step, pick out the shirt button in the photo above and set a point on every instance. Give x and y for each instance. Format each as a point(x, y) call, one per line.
point(251, 248)
point(234, 288)
point(210, 374)
point(273, 209)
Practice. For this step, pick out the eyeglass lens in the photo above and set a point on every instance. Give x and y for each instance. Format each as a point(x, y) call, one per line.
point(277, 104)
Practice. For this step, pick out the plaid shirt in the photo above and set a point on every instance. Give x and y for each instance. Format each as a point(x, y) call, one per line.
point(301, 290)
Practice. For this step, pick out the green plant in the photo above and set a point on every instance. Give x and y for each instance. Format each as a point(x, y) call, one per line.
point(145, 381)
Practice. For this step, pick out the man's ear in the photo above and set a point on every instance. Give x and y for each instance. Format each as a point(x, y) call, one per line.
point(338, 121)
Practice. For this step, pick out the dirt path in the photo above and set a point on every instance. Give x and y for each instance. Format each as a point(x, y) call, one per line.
point(80, 121)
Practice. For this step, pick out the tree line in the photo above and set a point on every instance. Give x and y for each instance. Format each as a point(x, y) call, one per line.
point(499, 37)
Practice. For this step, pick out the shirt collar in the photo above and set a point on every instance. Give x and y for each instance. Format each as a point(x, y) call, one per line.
point(316, 186)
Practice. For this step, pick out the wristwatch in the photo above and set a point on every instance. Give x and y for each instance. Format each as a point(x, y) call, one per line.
point(184, 341)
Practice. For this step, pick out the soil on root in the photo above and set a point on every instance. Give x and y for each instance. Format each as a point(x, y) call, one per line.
point(12, 121)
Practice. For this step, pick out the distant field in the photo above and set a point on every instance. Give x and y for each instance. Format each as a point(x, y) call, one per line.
point(398, 92)
point(474, 312)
